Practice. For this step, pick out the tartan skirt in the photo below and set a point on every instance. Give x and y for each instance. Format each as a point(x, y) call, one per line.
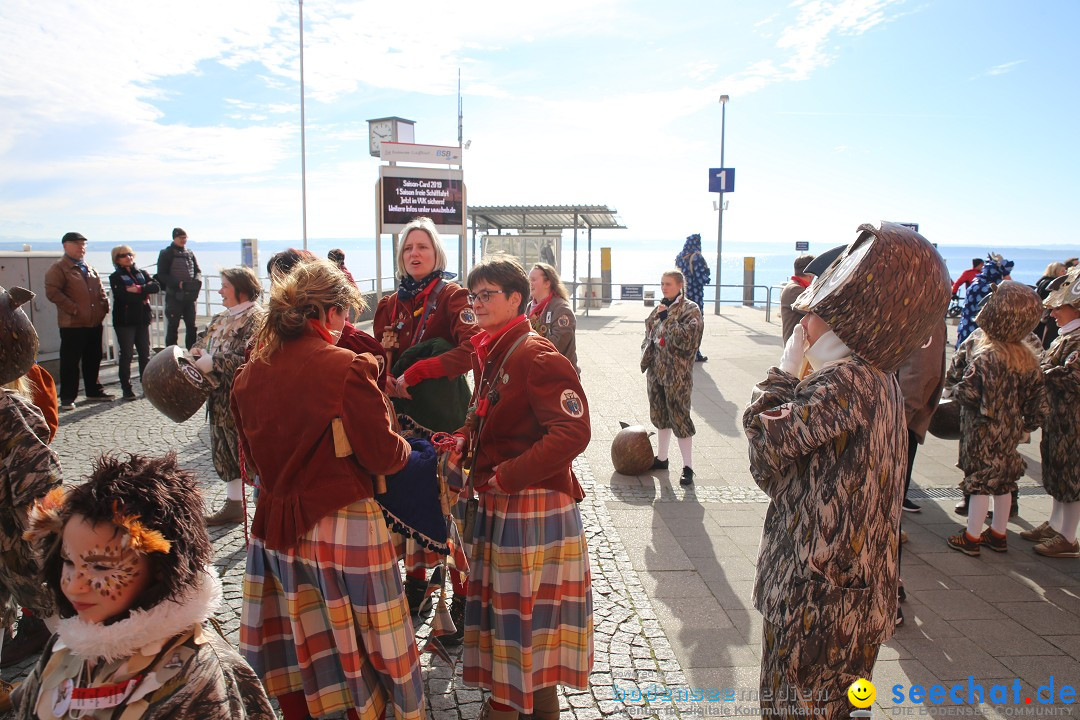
point(528, 618)
point(329, 617)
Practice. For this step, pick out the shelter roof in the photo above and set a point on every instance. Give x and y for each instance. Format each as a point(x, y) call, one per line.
point(543, 217)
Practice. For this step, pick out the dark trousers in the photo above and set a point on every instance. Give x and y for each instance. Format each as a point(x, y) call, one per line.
point(129, 338)
point(79, 345)
point(173, 313)
point(912, 448)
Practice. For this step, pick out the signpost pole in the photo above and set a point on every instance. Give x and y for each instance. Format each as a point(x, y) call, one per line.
point(720, 227)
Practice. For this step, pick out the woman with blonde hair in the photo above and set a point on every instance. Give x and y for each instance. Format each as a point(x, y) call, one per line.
point(550, 313)
point(131, 291)
point(324, 622)
point(425, 328)
point(218, 351)
point(672, 337)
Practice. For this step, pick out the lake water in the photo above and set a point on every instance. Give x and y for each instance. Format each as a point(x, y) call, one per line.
point(633, 261)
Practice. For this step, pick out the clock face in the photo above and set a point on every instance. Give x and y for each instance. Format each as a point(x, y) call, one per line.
point(380, 132)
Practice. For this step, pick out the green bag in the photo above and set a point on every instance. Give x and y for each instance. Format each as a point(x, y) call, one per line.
point(439, 404)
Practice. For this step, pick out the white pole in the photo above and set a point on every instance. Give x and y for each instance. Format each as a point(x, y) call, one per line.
point(303, 138)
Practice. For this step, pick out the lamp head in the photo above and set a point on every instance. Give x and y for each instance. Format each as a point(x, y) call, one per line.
point(724, 99)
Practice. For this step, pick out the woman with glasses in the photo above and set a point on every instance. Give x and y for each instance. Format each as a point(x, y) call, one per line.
point(528, 619)
point(131, 313)
point(425, 328)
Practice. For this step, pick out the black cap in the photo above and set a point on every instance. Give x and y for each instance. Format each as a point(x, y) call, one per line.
point(72, 237)
point(822, 262)
point(178, 232)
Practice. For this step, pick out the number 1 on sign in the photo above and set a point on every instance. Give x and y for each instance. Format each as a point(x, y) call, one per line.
point(723, 180)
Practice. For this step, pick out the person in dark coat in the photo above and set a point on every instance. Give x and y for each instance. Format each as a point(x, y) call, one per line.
point(696, 271)
point(179, 274)
point(131, 291)
point(994, 270)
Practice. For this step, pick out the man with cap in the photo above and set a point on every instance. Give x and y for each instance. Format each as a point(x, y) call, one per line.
point(179, 275)
point(789, 317)
point(828, 445)
point(81, 306)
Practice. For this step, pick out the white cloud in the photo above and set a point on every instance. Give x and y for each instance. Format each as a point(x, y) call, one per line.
point(1004, 68)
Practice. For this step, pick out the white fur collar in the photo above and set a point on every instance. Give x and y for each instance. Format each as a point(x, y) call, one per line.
point(144, 630)
point(828, 349)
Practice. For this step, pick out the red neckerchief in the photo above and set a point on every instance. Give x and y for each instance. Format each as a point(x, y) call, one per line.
point(800, 282)
point(539, 307)
point(422, 297)
point(483, 341)
point(321, 330)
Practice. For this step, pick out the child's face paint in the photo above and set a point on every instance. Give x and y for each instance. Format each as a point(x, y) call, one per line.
point(101, 575)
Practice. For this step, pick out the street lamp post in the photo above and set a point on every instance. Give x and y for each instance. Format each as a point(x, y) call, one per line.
point(720, 228)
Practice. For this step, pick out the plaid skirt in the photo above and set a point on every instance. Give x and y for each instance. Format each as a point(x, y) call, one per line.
point(528, 618)
point(329, 617)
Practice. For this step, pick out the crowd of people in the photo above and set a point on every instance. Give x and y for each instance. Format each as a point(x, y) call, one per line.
point(318, 415)
point(116, 565)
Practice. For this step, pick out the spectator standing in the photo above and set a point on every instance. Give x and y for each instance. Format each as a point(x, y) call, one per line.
point(178, 272)
point(131, 291)
point(81, 306)
point(968, 276)
point(696, 271)
point(789, 317)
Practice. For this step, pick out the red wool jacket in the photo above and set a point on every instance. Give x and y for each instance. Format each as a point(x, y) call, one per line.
point(538, 424)
point(285, 412)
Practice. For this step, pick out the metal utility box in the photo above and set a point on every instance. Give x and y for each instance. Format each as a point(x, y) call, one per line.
point(27, 269)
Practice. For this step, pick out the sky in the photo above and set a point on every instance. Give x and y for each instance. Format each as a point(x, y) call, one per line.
point(123, 118)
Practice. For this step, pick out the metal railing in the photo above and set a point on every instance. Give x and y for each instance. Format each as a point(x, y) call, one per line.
point(590, 300)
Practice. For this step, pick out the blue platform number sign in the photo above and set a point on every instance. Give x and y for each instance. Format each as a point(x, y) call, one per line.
point(721, 180)
point(802, 245)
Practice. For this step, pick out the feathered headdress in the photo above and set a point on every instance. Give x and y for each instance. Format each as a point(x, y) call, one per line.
point(49, 514)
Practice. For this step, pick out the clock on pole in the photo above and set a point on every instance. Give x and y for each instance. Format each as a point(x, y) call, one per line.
point(389, 129)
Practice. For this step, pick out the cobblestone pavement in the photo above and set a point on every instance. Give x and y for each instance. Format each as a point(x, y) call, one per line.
point(631, 648)
point(673, 567)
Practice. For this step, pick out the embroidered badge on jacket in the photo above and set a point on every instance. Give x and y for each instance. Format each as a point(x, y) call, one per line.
point(468, 316)
point(572, 404)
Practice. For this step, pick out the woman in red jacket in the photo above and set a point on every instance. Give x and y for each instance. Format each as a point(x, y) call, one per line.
point(426, 307)
point(324, 620)
point(528, 619)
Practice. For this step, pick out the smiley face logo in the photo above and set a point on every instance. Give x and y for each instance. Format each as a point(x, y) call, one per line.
point(862, 693)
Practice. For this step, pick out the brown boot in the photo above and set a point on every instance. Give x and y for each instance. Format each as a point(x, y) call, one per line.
point(486, 713)
point(230, 514)
point(546, 703)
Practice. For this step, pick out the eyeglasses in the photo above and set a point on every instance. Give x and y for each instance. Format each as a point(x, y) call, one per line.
point(125, 255)
point(484, 296)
